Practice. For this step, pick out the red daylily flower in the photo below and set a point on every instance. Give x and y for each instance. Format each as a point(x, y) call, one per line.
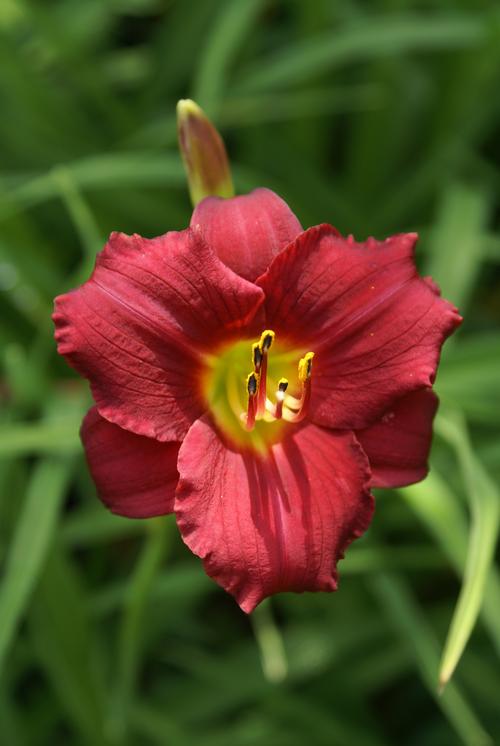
point(191, 343)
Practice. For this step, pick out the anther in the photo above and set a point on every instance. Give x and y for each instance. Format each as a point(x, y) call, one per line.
point(285, 407)
point(252, 388)
point(264, 345)
point(305, 373)
point(305, 367)
point(282, 385)
point(280, 398)
point(266, 340)
point(252, 384)
point(257, 356)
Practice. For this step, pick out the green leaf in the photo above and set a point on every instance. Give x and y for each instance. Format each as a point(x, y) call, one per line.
point(131, 634)
point(456, 248)
point(65, 647)
point(440, 509)
point(30, 543)
point(484, 501)
point(79, 212)
point(106, 171)
point(232, 25)
point(20, 439)
point(11, 719)
point(468, 377)
point(376, 37)
point(406, 617)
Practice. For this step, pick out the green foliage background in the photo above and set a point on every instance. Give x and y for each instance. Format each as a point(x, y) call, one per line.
point(377, 116)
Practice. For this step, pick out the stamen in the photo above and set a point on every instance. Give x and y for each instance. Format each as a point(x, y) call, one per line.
point(285, 407)
point(280, 398)
point(252, 388)
point(305, 367)
point(305, 373)
point(256, 356)
point(266, 340)
point(264, 345)
point(252, 384)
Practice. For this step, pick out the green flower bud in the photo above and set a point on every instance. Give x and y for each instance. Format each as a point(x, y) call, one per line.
point(203, 153)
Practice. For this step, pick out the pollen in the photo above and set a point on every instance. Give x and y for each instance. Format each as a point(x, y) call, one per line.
point(305, 367)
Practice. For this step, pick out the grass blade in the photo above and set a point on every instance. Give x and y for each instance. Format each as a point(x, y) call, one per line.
point(440, 510)
point(65, 648)
point(105, 171)
point(20, 439)
point(484, 502)
point(455, 251)
point(231, 26)
point(377, 37)
point(407, 618)
point(131, 631)
point(30, 543)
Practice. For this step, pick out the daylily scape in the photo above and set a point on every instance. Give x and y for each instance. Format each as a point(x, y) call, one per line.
point(257, 380)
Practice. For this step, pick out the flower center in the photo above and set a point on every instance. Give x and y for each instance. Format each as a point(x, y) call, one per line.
point(255, 408)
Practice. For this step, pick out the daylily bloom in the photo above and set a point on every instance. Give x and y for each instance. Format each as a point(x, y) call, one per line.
point(257, 380)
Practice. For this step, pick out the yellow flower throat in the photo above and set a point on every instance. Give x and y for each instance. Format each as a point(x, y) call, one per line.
point(255, 409)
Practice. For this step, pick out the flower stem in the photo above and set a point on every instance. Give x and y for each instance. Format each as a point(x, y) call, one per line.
point(270, 643)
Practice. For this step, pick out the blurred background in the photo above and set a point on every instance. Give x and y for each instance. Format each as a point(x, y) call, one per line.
point(380, 117)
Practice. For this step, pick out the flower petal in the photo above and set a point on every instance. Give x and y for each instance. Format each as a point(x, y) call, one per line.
point(135, 476)
point(247, 231)
point(139, 327)
point(398, 445)
point(275, 523)
point(376, 326)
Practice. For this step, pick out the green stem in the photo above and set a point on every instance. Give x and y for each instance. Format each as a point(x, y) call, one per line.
point(270, 643)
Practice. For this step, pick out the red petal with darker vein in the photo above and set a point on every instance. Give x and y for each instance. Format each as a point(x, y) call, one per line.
point(137, 329)
point(398, 445)
point(246, 231)
point(135, 476)
point(376, 326)
point(276, 523)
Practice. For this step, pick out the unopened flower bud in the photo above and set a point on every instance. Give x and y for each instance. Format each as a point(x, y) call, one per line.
point(203, 153)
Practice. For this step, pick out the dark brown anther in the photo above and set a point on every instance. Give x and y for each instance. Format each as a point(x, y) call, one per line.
point(252, 384)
